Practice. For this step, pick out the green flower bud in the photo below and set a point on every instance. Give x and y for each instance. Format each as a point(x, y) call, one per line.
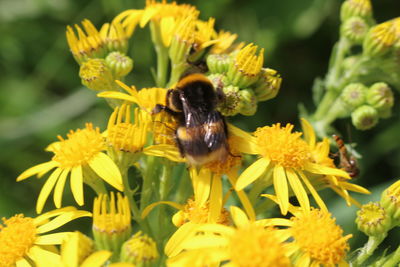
point(353, 95)
point(380, 96)
point(249, 102)
point(246, 66)
point(268, 85)
point(373, 220)
point(390, 201)
point(364, 117)
point(96, 75)
point(354, 29)
point(218, 80)
point(219, 63)
point(232, 102)
point(140, 250)
point(356, 8)
point(115, 37)
point(119, 64)
point(379, 39)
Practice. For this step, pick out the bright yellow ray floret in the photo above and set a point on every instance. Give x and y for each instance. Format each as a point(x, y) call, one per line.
point(81, 150)
point(289, 157)
point(24, 239)
point(250, 243)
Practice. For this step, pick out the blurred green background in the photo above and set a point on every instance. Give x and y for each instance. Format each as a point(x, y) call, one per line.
point(41, 95)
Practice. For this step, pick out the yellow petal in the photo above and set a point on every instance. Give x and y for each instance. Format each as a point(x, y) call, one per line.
point(96, 259)
point(150, 207)
point(201, 185)
point(239, 217)
point(248, 207)
point(51, 239)
point(298, 189)
point(167, 151)
point(23, 263)
point(281, 189)
point(174, 244)
point(77, 184)
point(320, 169)
point(46, 189)
point(309, 134)
point(355, 188)
point(252, 173)
point(215, 199)
point(205, 241)
point(104, 167)
point(61, 220)
point(217, 229)
point(274, 222)
point(167, 26)
point(242, 141)
point(58, 191)
point(147, 15)
point(39, 220)
point(44, 167)
point(313, 192)
point(118, 95)
point(36, 253)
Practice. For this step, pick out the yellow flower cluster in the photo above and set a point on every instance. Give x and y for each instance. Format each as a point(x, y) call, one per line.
point(140, 155)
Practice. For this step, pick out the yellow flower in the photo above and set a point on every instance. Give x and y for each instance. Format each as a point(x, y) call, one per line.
point(156, 11)
point(80, 154)
point(317, 239)
point(224, 43)
point(115, 37)
point(122, 134)
point(85, 45)
point(24, 239)
point(77, 251)
point(320, 155)
point(248, 244)
point(286, 160)
point(111, 216)
point(146, 98)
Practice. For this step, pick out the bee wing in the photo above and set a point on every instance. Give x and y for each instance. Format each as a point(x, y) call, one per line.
point(215, 131)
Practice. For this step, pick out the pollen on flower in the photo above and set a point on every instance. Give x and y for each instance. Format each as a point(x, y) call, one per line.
point(283, 147)
point(198, 214)
point(17, 236)
point(79, 147)
point(256, 246)
point(317, 234)
point(248, 62)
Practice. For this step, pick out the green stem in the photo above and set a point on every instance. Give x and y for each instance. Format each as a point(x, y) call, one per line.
point(183, 188)
point(394, 259)
point(162, 54)
point(149, 174)
point(368, 249)
point(128, 192)
point(333, 79)
point(176, 72)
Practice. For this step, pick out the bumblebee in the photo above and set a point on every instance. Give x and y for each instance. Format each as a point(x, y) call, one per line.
point(347, 162)
point(201, 135)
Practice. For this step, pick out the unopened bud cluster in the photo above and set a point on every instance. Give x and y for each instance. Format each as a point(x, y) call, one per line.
point(100, 54)
point(243, 80)
point(366, 105)
point(375, 219)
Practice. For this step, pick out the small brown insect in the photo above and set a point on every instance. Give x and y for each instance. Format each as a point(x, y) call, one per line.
point(347, 162)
